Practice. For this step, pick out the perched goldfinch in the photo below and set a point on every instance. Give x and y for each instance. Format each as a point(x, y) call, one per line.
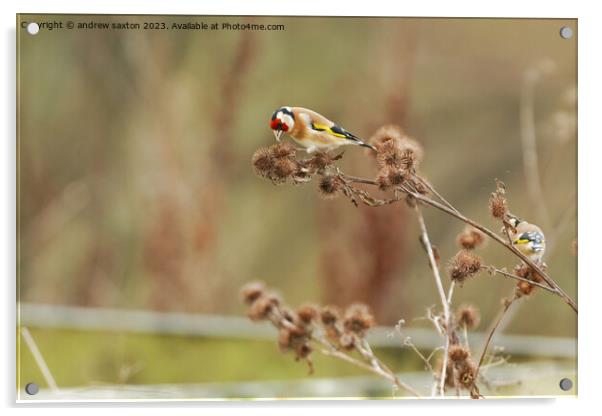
point(312, 130)
point(528, 239)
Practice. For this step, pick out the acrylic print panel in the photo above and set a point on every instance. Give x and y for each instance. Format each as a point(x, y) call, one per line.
point(170, 247)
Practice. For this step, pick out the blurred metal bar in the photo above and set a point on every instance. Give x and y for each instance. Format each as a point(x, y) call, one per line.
point(221, 326)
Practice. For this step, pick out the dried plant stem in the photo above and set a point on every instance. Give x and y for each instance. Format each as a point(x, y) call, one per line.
point(557, 289)
point(375, 366)
point(491, 332)
point(444, 300)
point(39, 359)
point(513, 276)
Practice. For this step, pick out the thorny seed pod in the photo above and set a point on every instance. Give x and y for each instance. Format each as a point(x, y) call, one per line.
point(466, 374)
point(330, 315)
point(284, 168)
point(385, 133)
point(307, 313)
point(498, 205)
point(319, 162)
point(525, 271)
point(358, 319)
point(282, 149)
point(262, 306)
point(463, 265)
point(251, 292)
point(468, 315)
point(458, 354)
point(330, 185)
point(383, 180)
point(411, 153)
point(263, 162)
point(471, 238)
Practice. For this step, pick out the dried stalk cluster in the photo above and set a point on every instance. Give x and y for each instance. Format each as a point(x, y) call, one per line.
point(337, 333)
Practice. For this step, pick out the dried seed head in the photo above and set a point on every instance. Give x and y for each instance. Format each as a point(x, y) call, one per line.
point(466, 374)
point(303, 351)
point(282, 149)
point(251, 292)
point(330, 315)
point(358, 319)
point(468, 315)
point(329, 186)
point(525, 271)
point(471, 238)
point(463, 265)
point(284, 168)
point(458, 354)
point(262, 306)
point(385, 134)
point(320, 161)
point(263, 162)
point(411, 153)
point(307, 313)
point(498, 205)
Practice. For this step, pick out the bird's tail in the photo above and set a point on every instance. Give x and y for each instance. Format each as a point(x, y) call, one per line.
point(367, 145)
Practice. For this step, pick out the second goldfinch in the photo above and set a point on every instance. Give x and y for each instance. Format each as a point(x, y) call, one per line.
point(528, 239)
point(311, 130)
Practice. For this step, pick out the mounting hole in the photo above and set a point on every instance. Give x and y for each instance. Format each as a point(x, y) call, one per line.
point(566, 384)
point(33, 28)
point(32, 388)
point(566, 32)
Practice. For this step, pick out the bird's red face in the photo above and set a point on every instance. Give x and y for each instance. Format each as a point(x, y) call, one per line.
point(282, 120)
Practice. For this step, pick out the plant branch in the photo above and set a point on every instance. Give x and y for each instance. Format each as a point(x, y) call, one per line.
point(504, 273)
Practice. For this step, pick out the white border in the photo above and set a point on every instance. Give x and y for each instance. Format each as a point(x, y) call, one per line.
point(590, 68)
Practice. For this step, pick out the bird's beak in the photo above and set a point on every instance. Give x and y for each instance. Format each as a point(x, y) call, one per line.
point(277, 134)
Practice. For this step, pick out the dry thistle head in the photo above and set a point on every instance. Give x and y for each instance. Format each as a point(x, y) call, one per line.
point(330, 185)
point(386, 133)
point(262, 306)
point(471, 238)
point(330, 315)
point(466, 374)
point(319, 162)
point(498, 205)
point(263, 162)
point(284, 168)
point(463, 265)
point(458, 354)
point(307, 313)
point(282, 149)
point(251, 292)
point(468, 315)
point(358, 319)
point(525, 271)
point(411, 153)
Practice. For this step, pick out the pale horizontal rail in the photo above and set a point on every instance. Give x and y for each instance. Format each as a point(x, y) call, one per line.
point(223, 326)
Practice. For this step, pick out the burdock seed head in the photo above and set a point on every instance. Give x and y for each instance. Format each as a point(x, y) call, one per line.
point(263, 162)
point(386, 133)
point(251, 292)
point(307, 313)
point(358, 319)
point(282, 149)
point(458, 354)
point(463, 265)
point(468, 315)
point(330, 315)
point(329, 186)
point(498, 205)
point(471, 238)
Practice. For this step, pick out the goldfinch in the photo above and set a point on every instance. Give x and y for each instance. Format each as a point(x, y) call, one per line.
point(528, 239)
point(311, 130)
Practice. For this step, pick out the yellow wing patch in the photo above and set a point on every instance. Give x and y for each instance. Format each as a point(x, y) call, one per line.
point(328, 129)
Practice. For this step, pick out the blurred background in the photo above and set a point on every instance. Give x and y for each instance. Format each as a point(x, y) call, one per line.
point(140, 217)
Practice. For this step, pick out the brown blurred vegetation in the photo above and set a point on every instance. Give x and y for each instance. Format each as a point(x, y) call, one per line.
point(136, 191)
